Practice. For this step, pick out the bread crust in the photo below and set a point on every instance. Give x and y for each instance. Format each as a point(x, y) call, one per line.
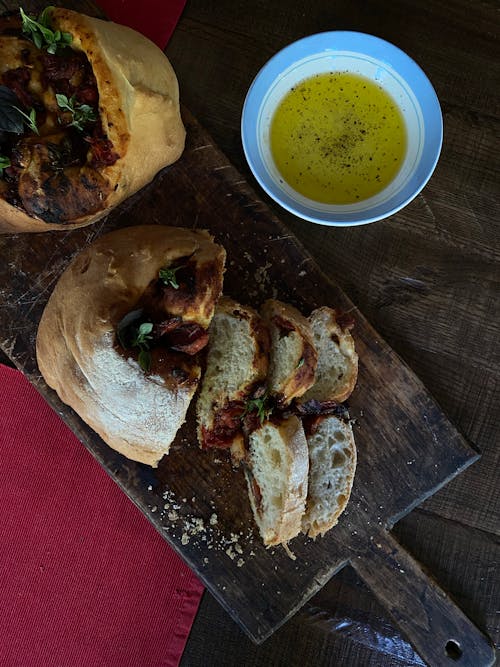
point(137, 414)
point(138, 107)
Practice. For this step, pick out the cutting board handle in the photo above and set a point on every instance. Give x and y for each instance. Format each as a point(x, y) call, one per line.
point(439, 631)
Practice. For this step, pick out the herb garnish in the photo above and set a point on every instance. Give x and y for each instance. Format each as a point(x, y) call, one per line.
point(81, 113)
point(261, 406)
point(168, 277)
point(29, 120)
point(142, 342)
point(41, 33)
point(132, 334)
point(4, 163)
point(301, 362)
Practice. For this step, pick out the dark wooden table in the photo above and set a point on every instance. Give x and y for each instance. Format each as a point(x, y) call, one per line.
point(428, 279)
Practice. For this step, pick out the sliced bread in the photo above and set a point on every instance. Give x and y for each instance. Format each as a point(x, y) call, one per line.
point(237, 364)
point(332, 463)
point(337, 368)
point(293, 356)
point(276, 469)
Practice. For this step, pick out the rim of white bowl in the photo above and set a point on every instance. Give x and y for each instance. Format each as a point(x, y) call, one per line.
point(393, 59)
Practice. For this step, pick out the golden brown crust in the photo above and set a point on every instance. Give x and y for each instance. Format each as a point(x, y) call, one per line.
point(138, 108)
point(137, 414)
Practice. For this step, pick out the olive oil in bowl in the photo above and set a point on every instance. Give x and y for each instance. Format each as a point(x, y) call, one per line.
point(338, 138)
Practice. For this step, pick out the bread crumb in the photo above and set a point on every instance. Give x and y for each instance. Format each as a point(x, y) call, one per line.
point(240, 562)
point(185, 539)
point(261, 276)
point(194, 526)
point(213, 519)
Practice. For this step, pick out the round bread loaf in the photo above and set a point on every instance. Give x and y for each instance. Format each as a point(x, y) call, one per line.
point(138, 117)
point(136, 412)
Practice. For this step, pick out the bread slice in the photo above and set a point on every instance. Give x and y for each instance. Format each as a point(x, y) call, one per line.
point(237, 364)
point(332, 460)
point(293, 355)
point(337, 368)
point(276, 470)
point(332, 451)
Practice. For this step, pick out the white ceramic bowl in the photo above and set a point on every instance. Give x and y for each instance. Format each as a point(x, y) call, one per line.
point(367, 56)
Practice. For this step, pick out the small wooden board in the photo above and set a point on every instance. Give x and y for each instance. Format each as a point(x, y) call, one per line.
point(407, 448)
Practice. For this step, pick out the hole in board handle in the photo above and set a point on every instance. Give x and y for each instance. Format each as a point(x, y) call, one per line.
point(453, 649)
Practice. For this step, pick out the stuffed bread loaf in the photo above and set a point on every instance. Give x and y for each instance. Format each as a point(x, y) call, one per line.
point(132, 385)
point(65, 177)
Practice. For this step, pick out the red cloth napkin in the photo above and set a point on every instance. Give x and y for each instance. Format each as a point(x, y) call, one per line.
point(85, 579)
point(154, 18)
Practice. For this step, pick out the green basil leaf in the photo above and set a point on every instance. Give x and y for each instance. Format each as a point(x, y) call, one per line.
point(124, 326)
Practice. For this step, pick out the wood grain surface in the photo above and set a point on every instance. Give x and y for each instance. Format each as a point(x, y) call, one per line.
point(427, 278)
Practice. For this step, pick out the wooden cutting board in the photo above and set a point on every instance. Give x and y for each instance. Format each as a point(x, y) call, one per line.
point(407, 449)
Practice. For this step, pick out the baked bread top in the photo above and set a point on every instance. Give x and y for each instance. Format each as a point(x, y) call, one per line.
point(136, 411)
point(66, 178)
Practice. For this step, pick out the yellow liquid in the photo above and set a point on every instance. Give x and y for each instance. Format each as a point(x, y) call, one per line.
point(338, 138)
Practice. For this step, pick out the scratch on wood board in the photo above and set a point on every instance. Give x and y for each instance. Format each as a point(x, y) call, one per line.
point(428, 208)
point(199, 148)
